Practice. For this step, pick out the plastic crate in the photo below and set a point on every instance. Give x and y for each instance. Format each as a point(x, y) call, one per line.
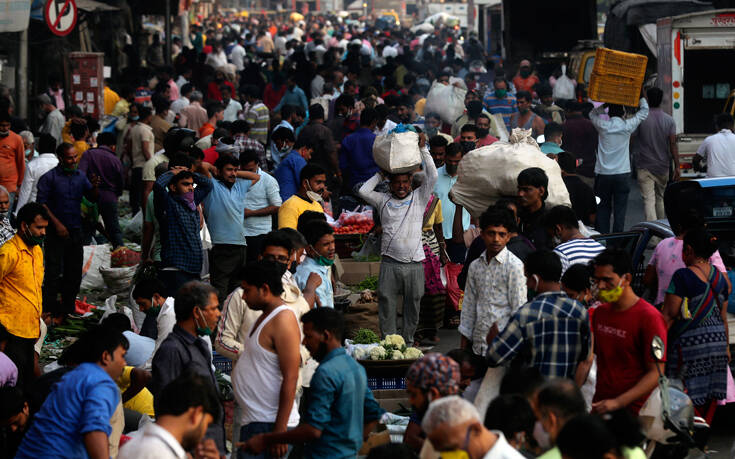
point(222, 363)
point(614, 89)
point(386, 383)
point(612, 62)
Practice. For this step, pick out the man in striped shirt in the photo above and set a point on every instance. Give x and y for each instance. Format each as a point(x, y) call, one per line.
point(562, 225)
point(499, 101)
point(257, 115)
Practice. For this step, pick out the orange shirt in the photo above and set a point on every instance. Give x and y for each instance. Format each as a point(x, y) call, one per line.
point(525, 84)
point(12, 161)
point(206, 129)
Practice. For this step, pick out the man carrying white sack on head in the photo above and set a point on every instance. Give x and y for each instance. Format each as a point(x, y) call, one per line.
point(401, 212)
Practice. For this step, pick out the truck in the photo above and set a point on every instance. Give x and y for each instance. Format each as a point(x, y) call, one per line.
point(696, 71)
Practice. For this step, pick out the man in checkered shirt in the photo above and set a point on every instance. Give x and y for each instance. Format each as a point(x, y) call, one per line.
point(552, 331)
point(6, 230)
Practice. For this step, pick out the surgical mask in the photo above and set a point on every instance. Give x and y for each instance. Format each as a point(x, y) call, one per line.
point(285, 148)
point(431, 132)
point(154, 309)
point(32, 240)
point(501, 93)
point(541, 436)
point(483, 132)
point(467, 146)
point(460, 453)
point(134, 118)
point(203, 331)
point(4, 133)
point(324, 261)
point(27, 152)
point(313, 195)
point(611, 295)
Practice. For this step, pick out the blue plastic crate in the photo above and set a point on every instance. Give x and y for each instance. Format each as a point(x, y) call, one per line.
point(386, 383)
point(222, 363)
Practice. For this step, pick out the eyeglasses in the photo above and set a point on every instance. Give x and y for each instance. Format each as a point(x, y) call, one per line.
point(279, 258)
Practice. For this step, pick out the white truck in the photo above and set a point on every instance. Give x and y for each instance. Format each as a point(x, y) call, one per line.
point(696, 71)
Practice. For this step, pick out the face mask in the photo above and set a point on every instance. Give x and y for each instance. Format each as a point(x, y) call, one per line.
point(555, 240)
point(4, 133)
point(313, 195)
point(3, 215)
point(69, 170)
point(188, 199)
point(32, 240)
point(431, 132)
point(612, 295)
point(467, 146)
point(285, 148)
point(203, 331)
point(541, 436)
point(153, 310)
point(324, 261)
point(501, 93)
point(458, 453)
point(27, 152)
point(483, 132)
point(525, 72)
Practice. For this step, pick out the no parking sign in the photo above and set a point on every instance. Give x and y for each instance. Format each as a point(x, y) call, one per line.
point(60, 16)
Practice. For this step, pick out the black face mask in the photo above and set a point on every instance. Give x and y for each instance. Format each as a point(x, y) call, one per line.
point(483, 132)
point(467, 146)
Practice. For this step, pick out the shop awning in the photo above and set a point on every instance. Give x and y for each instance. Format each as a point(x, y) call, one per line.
point(91, 6)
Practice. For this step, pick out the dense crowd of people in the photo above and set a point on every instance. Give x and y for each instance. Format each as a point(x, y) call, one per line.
point(239, 158)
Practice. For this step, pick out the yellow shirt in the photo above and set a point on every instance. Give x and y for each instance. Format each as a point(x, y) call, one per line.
point(143, 400)
point(111, 98)
point(419, 106)
point(21, 276)
point(80, 146)
point(66, 133)
point(436, 217)
point(288, 214)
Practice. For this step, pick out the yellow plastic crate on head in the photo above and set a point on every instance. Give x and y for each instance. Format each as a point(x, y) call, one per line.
point(617, 77)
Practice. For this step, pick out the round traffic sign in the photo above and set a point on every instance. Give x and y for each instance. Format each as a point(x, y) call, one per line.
point(60, 16)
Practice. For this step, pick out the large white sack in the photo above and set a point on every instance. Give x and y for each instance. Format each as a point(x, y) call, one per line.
point(489, 173)
point(397, 152)
point(95, 257)
point(445, 100)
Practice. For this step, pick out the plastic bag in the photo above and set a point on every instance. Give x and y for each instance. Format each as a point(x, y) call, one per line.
point(730, 396)
point(95, 257)
point(370, 250)
point(118, 279)
point(445, 100)
point(362, 214)
point(397, 152)
point(564, 87)
point(134, 228)
point(489, 173)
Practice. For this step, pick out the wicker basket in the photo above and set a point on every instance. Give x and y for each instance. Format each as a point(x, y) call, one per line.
point(612, 62)
point(614, 89)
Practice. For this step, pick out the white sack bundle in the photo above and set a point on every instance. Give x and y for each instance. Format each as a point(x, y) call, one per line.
point(397, 152)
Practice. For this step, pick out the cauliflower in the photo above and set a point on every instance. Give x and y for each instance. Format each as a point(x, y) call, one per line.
point(396, 340)
point(397, 355)
point(412, 353)
point(377, 353)
point(360, 354)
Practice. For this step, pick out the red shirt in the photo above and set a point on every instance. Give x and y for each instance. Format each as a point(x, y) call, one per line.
point(206, 129)
point(210, 155)
point(623, 348)
point(12, 161)
point(213, 91)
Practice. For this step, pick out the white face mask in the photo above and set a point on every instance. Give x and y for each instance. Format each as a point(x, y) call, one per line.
point(541, 436)
point(314, 196)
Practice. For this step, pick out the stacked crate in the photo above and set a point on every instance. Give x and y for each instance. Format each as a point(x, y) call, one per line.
point(617, 77)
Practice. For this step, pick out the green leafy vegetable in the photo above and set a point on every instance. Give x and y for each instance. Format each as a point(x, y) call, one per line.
point(369, 283)
point(365, 336)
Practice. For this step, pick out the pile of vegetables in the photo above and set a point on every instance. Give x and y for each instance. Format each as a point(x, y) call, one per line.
point(357, 222)
point(393, 347)
point(354, 229)
point(369, 283)
point(75, 326)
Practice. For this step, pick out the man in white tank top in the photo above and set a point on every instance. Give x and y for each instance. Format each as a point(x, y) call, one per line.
point(267, 370)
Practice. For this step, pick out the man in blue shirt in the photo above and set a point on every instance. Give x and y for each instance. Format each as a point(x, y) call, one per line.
point(319, 259)
point(499, 101)
point(293, 96)
point(341, 410)
point(261, 202)
point(61, 190)
point(74, 421)
point(356, 155)
point(282, 139)
point(289, 170)
point(224, 209)
point(447, 178)
point(175, 202)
